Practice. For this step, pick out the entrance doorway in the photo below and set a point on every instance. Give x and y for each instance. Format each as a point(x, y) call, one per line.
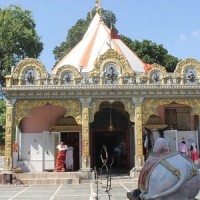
point(110, 129)
point(116, 143)
point(72, 139)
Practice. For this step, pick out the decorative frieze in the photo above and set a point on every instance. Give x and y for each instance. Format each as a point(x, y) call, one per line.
point(148, 91)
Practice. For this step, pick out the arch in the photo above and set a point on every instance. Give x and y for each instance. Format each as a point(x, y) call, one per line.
point(27, 63)
point(127, 103)
point(68, 123)
point(110, 108)
point(181, 67)
point(149, 106)
point(111, 128)
point(154, 119)
point(22, 108)
point(155, 68)
point(67, 68)
point(112, 56)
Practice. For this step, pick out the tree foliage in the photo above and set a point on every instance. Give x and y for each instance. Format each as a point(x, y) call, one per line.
point(2, 121)
point(150, 52)
point(18, 38)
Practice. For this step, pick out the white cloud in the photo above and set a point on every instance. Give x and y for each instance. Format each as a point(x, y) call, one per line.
point(196, 34)
point(182, 37)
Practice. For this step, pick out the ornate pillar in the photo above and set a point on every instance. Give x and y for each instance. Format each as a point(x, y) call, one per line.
point(8, 80)
point(182, 80)
point(148, 81)
point(121, 80)
point(59, 81)
point(39, 81)
point(139, 157)
point(101, 80)
point(163, 80)
point(20, 81)
point(85, 134)
point(8, 138)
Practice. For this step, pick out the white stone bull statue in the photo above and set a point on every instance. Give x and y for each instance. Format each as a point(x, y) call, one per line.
point(167, 175)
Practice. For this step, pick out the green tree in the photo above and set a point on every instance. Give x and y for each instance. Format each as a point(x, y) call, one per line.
point(76, 33)
point(2, 121)
point(150, 52)
point(18, 38)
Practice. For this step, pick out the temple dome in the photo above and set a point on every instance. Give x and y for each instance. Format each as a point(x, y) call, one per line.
point(96, 41)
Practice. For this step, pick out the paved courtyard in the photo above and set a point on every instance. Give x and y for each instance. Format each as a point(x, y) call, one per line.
point(71, 191)
point(68, 192)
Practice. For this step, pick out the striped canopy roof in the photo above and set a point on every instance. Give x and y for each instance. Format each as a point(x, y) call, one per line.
point(96, 41)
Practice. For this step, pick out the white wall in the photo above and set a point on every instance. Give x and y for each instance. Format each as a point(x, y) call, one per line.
point(37, 151)
point(187, 136)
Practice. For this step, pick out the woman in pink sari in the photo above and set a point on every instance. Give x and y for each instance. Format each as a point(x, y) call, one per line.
point(194, 154)
point(60, 161)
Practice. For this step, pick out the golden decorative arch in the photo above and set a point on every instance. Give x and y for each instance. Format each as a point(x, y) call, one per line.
point(157, 67)
point(149, 106)
point(154, 120)
point(181, 67)
point(67, 68)
point(22, 108)
point(66, 123)
point(112, 56)
point(128, 107)
point(30, 62)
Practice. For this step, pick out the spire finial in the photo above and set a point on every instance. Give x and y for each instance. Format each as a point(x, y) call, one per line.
point(98, 6)
point(98, 2)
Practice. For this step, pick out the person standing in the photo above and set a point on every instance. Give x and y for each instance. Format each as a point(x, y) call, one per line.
point(182, 147)
point(194, 154)
point(69, 162)
point(61, 157)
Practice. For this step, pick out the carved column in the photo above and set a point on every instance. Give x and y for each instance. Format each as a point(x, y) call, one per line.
point(8, 138)
point(101, 80)
point(163, 80)
point(39, 80)
point(8, 80)
point(139, 157)
point(85, 134)
point(59, 81)
point(20, 81)
point(120, 80)
point(182, 80)
point(148, 81)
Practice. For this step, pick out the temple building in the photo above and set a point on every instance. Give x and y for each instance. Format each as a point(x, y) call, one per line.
point(99, 96)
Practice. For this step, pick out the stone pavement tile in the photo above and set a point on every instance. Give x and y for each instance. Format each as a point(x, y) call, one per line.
point(118, 191)
point(60, 192)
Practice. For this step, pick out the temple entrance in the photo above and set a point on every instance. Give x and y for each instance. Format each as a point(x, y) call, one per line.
point(72, 140)
point(117, 149)
point(110, 130)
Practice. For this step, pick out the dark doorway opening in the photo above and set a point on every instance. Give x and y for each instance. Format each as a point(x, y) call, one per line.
point(117, 148)
point(111, 128)
point(72, 139)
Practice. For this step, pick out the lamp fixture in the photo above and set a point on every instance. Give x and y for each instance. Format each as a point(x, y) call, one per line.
point(110, 128)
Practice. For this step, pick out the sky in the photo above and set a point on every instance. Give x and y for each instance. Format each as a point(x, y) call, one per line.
point(173, 23)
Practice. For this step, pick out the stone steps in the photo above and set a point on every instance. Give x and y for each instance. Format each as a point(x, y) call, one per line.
point(74, 177)
point(48, 181)
point(51, 178)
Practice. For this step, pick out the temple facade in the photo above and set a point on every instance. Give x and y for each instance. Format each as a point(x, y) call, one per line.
point(99, 96)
